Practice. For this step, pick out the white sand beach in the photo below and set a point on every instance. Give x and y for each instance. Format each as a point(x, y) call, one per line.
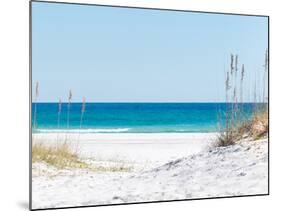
point(162, 166)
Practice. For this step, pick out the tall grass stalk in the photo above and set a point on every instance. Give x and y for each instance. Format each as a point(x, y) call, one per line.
point(255, 95)
point(59, 112)
point(68, 110)
point(68, 107)
point(265, 80)
point(235, 89)
point(228, 134)
point(82, 111)
point(231, 81)
point(241, 83)
point(59, 115)
point(242, 75)
point(225, 133)
point(83, 108)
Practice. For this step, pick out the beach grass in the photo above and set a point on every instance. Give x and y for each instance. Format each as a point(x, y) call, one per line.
point(62, 156)
point(259, 125)
point(255, 128)
point(59, 155)
point(236, 126)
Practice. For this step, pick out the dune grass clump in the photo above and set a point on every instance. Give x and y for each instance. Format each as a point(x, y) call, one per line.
point(260, 125)
point(236, 126)
point(226, 138)
point(60, 156)
point(229, 134)
point(253, 129)
point(63, 157)
point(257, 127)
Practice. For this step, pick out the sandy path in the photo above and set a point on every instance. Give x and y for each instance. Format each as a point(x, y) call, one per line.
point(186, 169)
point(145, 149)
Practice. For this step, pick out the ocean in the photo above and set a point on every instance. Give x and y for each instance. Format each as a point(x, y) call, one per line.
point(132, 117)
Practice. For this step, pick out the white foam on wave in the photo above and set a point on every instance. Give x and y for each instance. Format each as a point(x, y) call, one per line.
point(101, 130)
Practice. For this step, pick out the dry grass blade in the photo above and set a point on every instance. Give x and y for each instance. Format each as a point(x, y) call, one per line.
point(37, 90)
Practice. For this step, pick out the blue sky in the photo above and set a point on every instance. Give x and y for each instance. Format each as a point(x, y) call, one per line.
point(133, 55)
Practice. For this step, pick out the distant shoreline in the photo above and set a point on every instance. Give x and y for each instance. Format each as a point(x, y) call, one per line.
point(111, 131)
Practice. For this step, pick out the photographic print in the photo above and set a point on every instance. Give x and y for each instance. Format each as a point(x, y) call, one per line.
point(135, 105)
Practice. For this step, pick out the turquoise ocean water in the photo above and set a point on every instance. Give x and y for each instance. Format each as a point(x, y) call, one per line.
point(132, 117)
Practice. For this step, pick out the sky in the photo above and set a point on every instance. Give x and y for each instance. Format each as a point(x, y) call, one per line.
point(109, 54)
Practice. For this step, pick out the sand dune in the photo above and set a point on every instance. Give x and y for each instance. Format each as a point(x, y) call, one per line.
point(165, 167)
